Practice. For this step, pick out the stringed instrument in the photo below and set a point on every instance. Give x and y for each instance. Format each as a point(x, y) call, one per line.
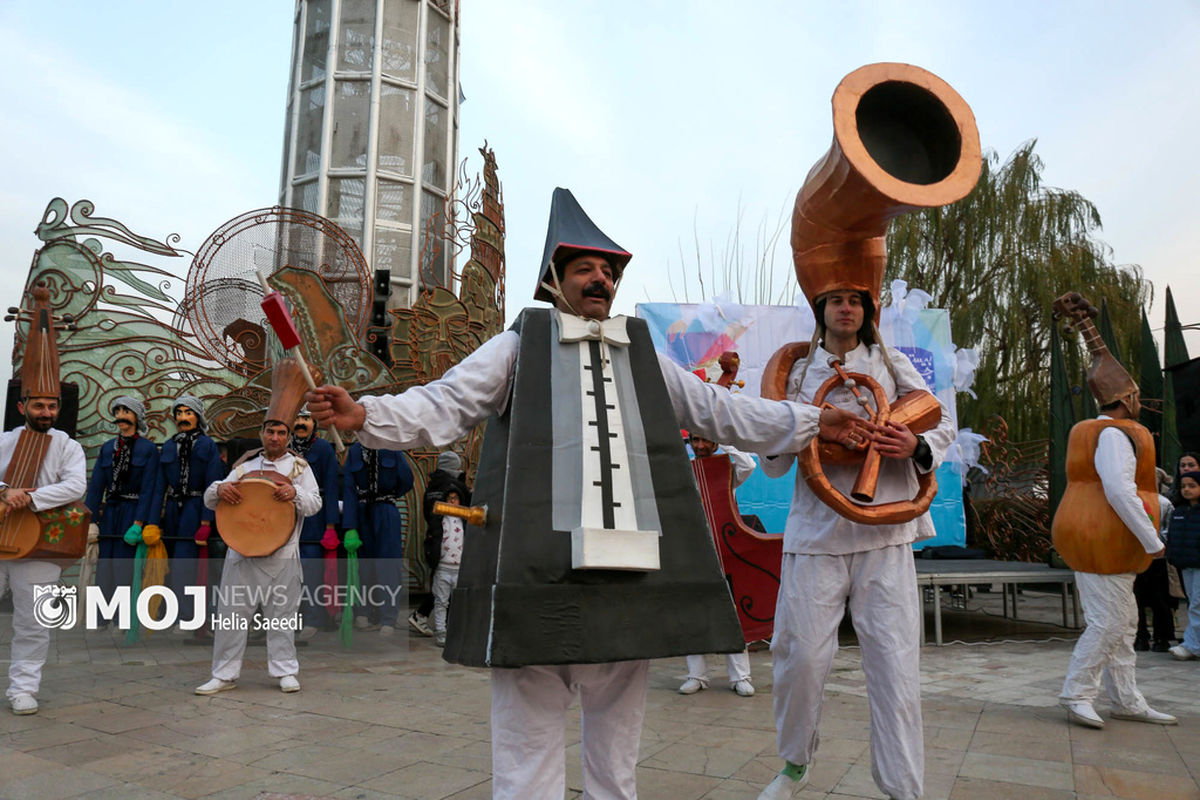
point(750, 560)
point(1086, 530)
point(54, 532)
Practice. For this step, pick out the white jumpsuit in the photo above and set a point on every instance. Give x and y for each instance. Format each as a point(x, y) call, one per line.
point(61, 480)
point(272, 581)
point(1105, 649)
point(528, 703)
point(829, 561)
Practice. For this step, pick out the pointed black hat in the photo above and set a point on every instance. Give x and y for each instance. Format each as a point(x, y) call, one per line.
point(570, 233)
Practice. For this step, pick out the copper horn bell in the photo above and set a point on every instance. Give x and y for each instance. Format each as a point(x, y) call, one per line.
point(903, 140)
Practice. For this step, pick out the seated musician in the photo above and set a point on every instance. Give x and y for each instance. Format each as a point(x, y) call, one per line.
point(738, 664)
point(274, 580)
point(61, 479)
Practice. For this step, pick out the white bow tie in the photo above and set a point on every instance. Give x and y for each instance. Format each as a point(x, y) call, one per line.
point(577, 329)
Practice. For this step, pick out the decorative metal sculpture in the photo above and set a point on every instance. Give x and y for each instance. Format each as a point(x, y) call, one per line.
point(1009, 497)
point(216, 344)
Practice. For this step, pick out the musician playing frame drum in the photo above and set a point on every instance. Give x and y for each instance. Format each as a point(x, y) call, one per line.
point(269, 575)
point(47, 470)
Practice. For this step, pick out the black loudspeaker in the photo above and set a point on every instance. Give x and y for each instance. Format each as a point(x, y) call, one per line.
point(68, 407)
point(381, 322)
point(1186, 377)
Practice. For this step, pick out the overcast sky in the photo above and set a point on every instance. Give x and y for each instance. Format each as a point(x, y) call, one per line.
point(664, 118)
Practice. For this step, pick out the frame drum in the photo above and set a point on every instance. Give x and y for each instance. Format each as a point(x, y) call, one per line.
point(260, 524)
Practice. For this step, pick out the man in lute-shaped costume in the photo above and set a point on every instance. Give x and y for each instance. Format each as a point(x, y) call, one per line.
point(593, 555)
point(1107, 533)
point(60, 480)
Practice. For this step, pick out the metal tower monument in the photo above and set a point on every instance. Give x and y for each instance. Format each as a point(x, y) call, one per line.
point(371, 133)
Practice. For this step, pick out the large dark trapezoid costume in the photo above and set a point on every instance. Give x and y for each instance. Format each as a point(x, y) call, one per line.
point(519, 601)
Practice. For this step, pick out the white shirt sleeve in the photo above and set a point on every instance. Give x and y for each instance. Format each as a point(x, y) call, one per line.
point(742, 463)
point(441, 411)
point(751, 423)
point(69, 476)
point(1116, 465)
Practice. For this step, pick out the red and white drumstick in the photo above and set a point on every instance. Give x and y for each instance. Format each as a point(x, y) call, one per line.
point(281, 322)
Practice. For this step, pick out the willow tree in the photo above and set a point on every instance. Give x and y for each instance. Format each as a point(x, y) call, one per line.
point(996, 260)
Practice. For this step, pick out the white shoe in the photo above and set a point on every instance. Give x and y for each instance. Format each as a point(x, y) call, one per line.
point(386, 631)
point(440, 641)
point(1149, 715)
point(24, 704)
point(364, 624)
point(419, 624)
point(306, 633)
point(1082, 713)
point(783, 787)
point(216, 685)
point(289, 684)
point(691, 686)
point(744, 688)
point(1181, 653)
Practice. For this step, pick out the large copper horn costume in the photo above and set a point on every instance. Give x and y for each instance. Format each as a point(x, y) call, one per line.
point(54, 532)
point(903, 140)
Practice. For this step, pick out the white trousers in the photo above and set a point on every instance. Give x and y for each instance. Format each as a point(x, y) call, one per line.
point(243, 587)
point(1105, 649)
point(738, 665)
point(30, 640)
point(445, 578)
point(529, 705)
point(881, 588)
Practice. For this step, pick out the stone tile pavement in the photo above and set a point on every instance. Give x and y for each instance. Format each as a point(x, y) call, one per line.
point(389, 719)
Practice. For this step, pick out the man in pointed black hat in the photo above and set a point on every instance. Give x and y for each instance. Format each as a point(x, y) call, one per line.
point(593, 554)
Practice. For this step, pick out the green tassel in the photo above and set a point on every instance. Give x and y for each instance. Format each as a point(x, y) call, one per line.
point(139, 563)
point(346, 629)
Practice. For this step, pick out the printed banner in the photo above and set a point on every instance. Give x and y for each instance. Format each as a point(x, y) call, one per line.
point(695, 335)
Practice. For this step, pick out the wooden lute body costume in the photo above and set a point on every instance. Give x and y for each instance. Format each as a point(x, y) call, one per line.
point(1086, 530)
point(54, 532)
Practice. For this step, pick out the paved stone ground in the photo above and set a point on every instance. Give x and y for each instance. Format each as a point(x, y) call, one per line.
point(388, 718)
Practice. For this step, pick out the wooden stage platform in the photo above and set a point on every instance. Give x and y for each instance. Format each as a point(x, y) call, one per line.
point(936, 573)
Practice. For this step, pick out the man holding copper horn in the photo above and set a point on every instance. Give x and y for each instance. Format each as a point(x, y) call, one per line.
point(43, 469)
point(903, 139)
point(260, 509)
